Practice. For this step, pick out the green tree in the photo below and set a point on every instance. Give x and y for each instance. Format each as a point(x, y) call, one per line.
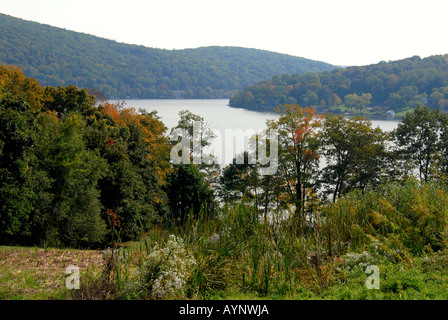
point(239, 180)
point(418, 138)
point(188, 193)
point(76, 209)
point(355, 154)
point(439, 98)
point(196, 129)
point(18, 130)
point(407, 96)
point(358, 101)
point(65, 100)
point(137, 153)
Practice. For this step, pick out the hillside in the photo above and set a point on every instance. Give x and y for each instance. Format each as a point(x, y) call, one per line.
point(55, 56)
point(396, 85)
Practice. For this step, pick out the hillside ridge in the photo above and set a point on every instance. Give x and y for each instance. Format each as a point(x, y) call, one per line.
point(56, 56)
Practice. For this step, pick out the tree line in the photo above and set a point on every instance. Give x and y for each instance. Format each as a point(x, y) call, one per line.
point(77, 173)
point(80, 172)
point(397, 85)
point(323, 158)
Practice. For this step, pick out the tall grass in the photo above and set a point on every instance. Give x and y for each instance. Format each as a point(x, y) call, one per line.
point(412, 215)
point(238, 250)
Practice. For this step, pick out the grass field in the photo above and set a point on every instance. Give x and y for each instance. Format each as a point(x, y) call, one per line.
point(40, 274)
point(36, 273)
point(399, 230)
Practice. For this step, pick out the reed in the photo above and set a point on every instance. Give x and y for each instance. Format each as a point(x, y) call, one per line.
point(238, 249)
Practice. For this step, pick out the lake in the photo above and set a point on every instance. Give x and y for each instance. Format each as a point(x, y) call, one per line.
point(220, 117)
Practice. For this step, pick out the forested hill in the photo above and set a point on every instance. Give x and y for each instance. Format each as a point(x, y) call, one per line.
point(55, 56)
point(396, 85)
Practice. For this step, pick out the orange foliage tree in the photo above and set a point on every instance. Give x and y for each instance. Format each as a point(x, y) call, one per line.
point(149, 132)
point(298, 152)
point(14, 84)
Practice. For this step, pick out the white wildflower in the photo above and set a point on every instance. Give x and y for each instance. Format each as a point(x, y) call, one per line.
point(214, 238)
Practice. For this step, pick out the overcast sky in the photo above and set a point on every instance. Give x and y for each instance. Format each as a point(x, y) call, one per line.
point(340, 32)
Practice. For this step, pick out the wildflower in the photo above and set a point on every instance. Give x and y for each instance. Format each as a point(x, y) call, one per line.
point(214, 238)
point(165, 273)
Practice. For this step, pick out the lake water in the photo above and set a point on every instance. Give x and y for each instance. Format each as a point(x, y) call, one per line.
point(220, 117)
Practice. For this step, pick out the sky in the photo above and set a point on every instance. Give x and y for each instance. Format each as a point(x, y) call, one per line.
point(340, 32)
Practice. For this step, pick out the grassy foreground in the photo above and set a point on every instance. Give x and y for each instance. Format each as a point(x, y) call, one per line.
point(35, 273)
point(390, 243)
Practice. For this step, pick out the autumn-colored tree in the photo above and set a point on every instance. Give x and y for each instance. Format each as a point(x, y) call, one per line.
point(143, 167)
point(111, 110)
point(298, 157)
point(13, 83)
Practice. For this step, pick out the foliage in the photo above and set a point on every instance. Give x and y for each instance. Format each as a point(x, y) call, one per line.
point(355, 154)
point(188, 193)
point(358, 101)
point(421, 141)
point(58, 57)
point(18, 129)
point(395, 85)
point(405, 217)
point(80, 175)
point(66, 163)
point(238, 180)
point(298, 151)
point(14, 83)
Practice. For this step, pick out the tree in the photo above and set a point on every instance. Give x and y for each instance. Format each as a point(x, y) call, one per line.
point(335, 100)
point(418, 137)
point(18, 130)
point(75, 218)
point(239, 180)
point(188, 190)
point(196, 128)
point(298, 157)
point(65, 100)
point(358, 101)
point(137, 151)
point(439, 98)
point(310, 98)
point(66, 166)
point(188, 193)
point(13, 83)
point(407, 96)
point(354, 152)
